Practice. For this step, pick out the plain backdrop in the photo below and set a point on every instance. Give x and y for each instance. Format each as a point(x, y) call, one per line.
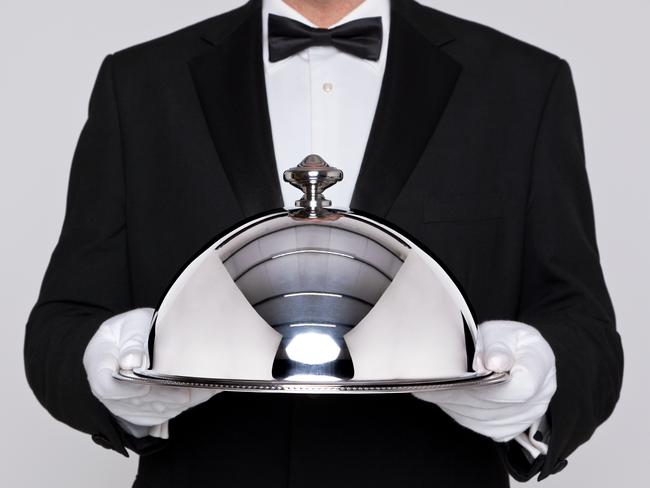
point(49, 55)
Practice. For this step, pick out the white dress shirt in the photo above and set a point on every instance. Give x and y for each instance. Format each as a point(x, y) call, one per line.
point(323, 101)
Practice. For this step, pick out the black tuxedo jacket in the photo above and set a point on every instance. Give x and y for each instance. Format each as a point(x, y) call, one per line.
point(476, 151)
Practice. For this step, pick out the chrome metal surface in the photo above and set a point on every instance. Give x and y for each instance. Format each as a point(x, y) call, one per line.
point(385, 386)
point(310, 251)
point(313, 175)
point(313, 300)
point(310, 225)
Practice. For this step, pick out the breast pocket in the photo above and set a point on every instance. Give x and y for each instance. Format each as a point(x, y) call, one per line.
point(463, 208)
point(467, 233)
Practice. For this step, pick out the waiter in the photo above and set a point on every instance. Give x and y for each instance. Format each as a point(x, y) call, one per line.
point(464, 137)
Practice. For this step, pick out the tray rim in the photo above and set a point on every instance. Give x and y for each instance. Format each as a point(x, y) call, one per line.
point(345, 386)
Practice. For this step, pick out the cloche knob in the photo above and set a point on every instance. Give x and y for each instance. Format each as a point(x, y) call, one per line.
point(313, 175)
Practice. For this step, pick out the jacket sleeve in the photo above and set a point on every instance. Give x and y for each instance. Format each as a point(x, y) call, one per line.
point(87, 279)
point(563, 291)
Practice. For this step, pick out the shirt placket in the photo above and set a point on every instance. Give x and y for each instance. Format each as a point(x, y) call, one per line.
point(323, 100)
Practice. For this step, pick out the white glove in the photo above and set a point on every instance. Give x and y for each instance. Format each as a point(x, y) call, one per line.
point(121, 343)
point(505, 411)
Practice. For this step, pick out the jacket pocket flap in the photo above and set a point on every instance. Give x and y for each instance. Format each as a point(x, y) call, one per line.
point(464, 208)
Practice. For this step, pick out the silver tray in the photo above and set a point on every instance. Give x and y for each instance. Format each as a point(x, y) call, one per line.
point(349, 386)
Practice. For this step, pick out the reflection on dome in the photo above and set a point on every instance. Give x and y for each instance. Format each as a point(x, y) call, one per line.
point(313, 295)
point(313, 348)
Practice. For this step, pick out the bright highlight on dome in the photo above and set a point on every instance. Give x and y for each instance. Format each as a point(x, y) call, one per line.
point(313, 348)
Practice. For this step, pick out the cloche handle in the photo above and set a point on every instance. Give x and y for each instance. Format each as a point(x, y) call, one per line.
point(312, 176)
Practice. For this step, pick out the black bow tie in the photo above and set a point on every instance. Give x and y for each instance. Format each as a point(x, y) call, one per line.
point(360, 38)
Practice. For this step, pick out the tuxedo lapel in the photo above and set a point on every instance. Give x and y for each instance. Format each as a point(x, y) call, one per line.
point(418, 82)
point(229, 80)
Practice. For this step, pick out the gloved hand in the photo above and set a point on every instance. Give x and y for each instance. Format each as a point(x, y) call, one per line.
point(506, 410)
point(121, 343)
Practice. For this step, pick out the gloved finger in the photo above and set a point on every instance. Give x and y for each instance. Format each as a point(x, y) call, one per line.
point(549, 385)
point(517, 336)
point(478, 396)
point(502, 427)
point(507, 432)
point(131, 357)
point(105, 334)
point(142, 418)
point(495, 413)
point(473, 397)
point(161, 430)
point(486, 396)
point(106, 387)
point(533, 361)
point(495, 346)
point(102, 350)
point(477, 418)
point(440, 396)
point(136, 322)
point(535, 354)
point(523, 387)
point(200, 395)
point(134, 336)
point(528, 376)
point(101, 356)
point(169, 395)
point(159, 407)
point(155, 410)
point(498, 356)
point(527, 382)
point(136, 401)
point(519, 389)
point(173, 399)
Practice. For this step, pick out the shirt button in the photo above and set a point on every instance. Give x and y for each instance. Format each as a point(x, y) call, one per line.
point(328, 87)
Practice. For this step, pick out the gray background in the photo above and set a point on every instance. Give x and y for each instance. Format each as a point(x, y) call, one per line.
point(49, 55)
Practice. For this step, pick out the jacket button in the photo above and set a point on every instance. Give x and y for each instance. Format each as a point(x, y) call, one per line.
point(559, 466)
point(101, 440)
